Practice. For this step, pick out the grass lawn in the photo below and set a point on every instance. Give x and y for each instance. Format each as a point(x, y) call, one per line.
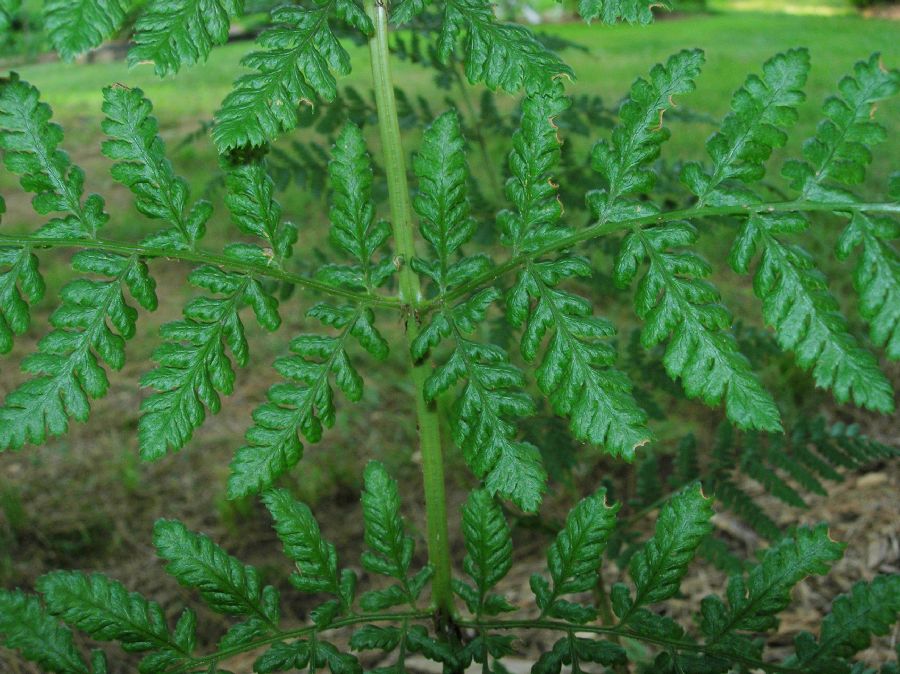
point(735, 43)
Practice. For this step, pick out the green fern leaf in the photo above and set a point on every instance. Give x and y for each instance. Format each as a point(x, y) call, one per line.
point(612, 11)
point(9, 10)
point(492, 395)
point(576, 370)
point(21, 284)
point(760, 109)
point(354, 229)
point(176, 33)
point(90, 327)
point(303, 543)
point(754, 602)
point(806, 318)
point(636, 140)
point(105, 610)
point(30, 142)
point(299, 56)
point(25, 626)
point(572, 651)
point(501, 55)
point(390, 548)
point(876, 276)
point(306, 404)
point(675, 300)
point(311, 655)
point(869, 609)
point(283, 658)
point(442, 204)
point(193, 365)
point(574, 558)
point(480, 423)
point(839, 152)
point(141, 165)
point(75, 26)
point(255, 212)
point(658, 567)
point(225, 584)
point(489, 553)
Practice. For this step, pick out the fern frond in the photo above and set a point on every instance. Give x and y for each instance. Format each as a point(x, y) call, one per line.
point(306, 404)
point(21, 285)
point(26, 626)
point(193, 365)
point(76, 26)
point(176, 33)
point(273, 443)
point(442, 204)
point(672, 296)
point(315, 557)
point(491, 398)
point(876, 277)
point(675, 300)
point(658, 567)
point(760, 110)
point(105, 610)
point(636, 140)
point(574, 559)
point(142, 166)
point(754, 601)
point(30, 142)
point(354, 228)
point(390, 548)
point(806, 318)
point(576, 371)
point(90, 327)
point(295, 66)
point(255, 212)
point(613, 11)
point(840, 150)
point(225, 584)
point(501, 55)
point(489, 554)
point(868, 609)
point(574, 650)
point(492, 393)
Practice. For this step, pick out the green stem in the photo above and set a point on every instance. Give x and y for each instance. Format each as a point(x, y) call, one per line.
point(204, 257)
point(411, 298)
point(605, 228)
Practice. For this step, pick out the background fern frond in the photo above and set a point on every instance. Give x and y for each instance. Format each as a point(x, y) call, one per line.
point(75, 26)
point(294, 67)
point(176, 33)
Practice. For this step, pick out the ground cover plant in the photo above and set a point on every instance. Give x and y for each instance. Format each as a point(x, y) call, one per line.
point(445, 265)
